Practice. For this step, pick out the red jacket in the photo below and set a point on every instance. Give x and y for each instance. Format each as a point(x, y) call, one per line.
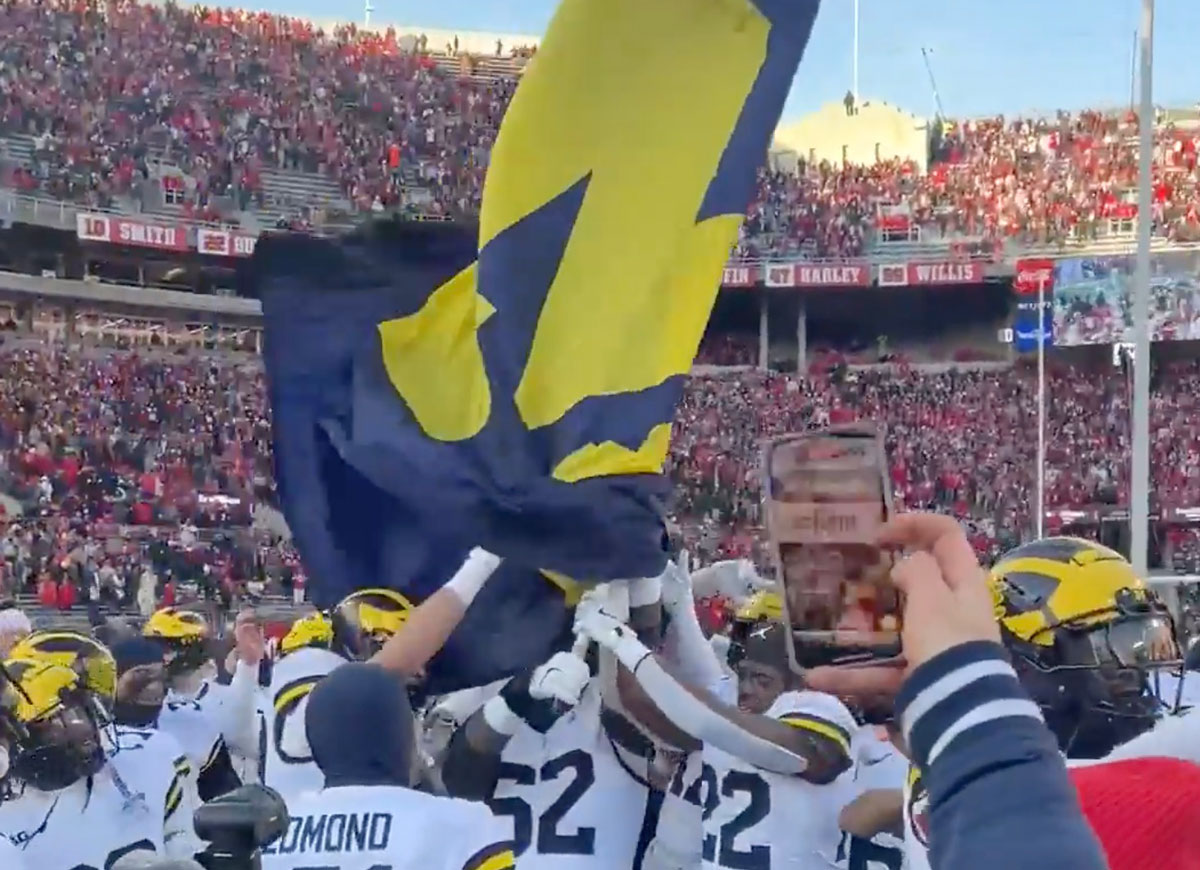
point(1145, 812)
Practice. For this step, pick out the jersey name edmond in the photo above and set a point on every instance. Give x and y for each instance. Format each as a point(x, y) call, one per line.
point(334, 832)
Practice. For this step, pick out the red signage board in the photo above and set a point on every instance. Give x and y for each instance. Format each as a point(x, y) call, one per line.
point(124, 231)
point(1033, 273)
point(965, 272)
point(223, 243)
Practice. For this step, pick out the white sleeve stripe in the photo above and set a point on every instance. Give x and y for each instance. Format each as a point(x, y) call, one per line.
point(991, 711)
point(947, 685)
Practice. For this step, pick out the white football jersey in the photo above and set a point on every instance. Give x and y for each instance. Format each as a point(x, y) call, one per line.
point(572, 802)
point(371, 827)
point(210, 724)
point(878, 765)
point(10, 856)
point(770, 821)
point(135, 803)
point(916, 822)
point(287, 765)
point(680, 830)
point(145, 756)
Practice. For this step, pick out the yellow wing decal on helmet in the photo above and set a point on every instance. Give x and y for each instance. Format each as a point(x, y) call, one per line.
point(40, 686)
point(75, 650)
point(171, 623)
point(375, 620)
point(1058, 581)
point(311, 630)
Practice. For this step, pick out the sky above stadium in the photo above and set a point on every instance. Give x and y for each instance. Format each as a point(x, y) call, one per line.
point(988, 56)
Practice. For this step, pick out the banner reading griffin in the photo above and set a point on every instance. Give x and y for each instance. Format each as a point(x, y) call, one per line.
point(529, 401)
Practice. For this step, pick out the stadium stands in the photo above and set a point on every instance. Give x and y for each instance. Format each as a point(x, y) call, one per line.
point(219, 114)
point(116, 457)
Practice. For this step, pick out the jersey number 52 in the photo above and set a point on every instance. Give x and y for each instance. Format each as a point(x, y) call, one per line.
point(575, 770)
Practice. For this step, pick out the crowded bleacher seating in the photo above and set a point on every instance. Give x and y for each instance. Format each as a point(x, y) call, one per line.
point(201, 102)
point(170, 456)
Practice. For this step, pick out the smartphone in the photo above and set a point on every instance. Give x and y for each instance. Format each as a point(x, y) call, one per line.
point(827, 494)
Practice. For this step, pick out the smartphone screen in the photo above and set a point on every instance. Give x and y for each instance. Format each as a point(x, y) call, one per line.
point(827, 495)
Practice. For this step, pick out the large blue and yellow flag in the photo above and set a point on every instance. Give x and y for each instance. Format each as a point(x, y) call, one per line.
point(516, 390)
point(530, 399)
point(322, 300)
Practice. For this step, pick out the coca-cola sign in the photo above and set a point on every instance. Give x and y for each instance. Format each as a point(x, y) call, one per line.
point(1032, 274)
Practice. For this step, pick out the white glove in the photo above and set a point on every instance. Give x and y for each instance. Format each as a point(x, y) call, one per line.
point(733, 578)
point(562, 678)
point(593, 619)
point(677, 588)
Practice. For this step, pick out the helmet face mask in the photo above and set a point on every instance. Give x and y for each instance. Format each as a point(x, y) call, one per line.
point(1085, 634)
point(57, 724)
point(62, 749)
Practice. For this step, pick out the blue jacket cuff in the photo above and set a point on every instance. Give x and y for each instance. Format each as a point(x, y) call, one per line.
point(960, 689)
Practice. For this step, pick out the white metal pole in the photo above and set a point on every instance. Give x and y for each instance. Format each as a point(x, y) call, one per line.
point(1040, 499)
point(854, 89)
point(1139, 508)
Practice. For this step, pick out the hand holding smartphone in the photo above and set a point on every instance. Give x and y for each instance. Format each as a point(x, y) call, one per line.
point(827, 496)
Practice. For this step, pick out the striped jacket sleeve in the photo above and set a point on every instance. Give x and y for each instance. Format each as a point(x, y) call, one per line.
point(999, 796)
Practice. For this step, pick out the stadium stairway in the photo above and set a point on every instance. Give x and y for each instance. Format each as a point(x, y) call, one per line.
point(18, 147)
point(286, 192)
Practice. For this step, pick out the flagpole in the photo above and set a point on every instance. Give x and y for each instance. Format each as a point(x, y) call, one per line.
point(854, 89)
point(1139, 508)
point(1040, 499)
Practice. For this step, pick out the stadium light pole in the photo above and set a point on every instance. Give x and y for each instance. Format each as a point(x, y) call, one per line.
point(1139, 507)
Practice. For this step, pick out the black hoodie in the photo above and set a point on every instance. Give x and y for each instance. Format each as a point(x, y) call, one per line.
point(360, 727)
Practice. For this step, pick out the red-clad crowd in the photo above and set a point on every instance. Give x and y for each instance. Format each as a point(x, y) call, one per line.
point(109, 92)
point(109, 89)
point(113, 464)
point(962, 442)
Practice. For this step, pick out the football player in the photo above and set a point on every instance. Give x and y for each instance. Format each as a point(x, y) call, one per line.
point(362, 734)
point(10, 856)
point(364, 625)
point(129, 682)
point(567, 757)
point(77, 802)
point(314, 646)
point(873, 822)
point(773, 773)
point(1085, 635)
point(204, 716)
